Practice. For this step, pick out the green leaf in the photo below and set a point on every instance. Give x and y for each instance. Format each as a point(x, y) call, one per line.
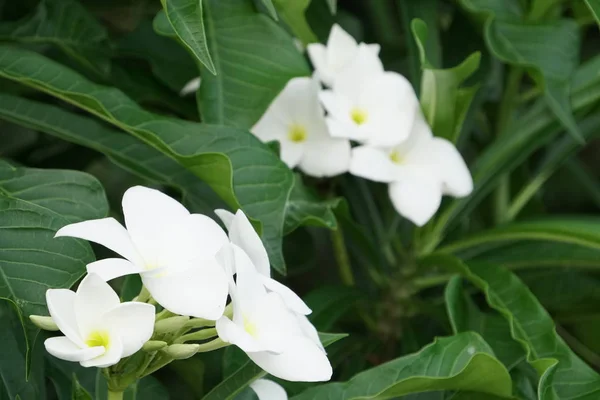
point(186, 19)
point(465, 316)
point(79, 392)
point(460, 362)
point(34, 204)
point(293, 14)
point(147, 162)
point(330, 303)
point(170, 63)
point(550, 52)
point(67, 25)
point(332, 4)
point(444, 102)
point(594, 6)
point(271, 9)
point(563, 375)
point(535, 129)
point(247, 373)
point(244, 45)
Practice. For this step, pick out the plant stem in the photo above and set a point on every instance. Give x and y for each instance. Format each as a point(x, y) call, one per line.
point(199, 335)
point(505, 110)
point(341, 256)
point(426, 282)
point(114, 395)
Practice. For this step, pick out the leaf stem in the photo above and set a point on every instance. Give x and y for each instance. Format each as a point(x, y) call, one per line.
point(341, 256)
point(115, 395)
point(505, 110)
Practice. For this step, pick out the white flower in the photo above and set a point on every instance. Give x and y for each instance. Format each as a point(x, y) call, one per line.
point(172, 250)
point(296, 119)
point(268, 390)
point(190, 87)
point(330, 60)
point(243, 236)
point(273, 336)
point(98, 329)
point(419, 171)
point(369, 105)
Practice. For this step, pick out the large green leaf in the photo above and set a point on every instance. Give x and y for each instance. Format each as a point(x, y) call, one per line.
point(293, 14)
point(460, 362)
point(254, 58)
point(238, 167)
point(248, 372)
point(535, 129)
point(67, 25)
point(594, 6)
point(444, 102)
point(549, 51)
point(563, 375)
point(186, 19)
point(34, 204)
point(465, 316)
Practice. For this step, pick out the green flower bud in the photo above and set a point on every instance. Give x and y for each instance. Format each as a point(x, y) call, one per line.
point(45, 323)
point(169, 325)
point(154, 345)
point(182, 351)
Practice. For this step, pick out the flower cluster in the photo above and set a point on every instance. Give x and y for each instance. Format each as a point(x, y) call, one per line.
point(190, 266)
point(376, 109)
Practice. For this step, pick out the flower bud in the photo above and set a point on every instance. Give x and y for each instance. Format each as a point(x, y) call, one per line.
point(45, 323)
point(154, 345)
point(172, 324)
point(182, 351)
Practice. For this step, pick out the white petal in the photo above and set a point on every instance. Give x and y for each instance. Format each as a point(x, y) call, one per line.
point(106, 231)
point(226, 217)
point(317, 53)
point(291, 299)
point(61, 347)
point(249, 288)
point(111, 268)
point(93, 299)
point(200, 290)
point(232, 333)
point(309, 330)
point(453, 171)
point(345, 130)
point(133, 322)
point(417, 196)
point(273, 322)
point(375, 48)
point(373, 164)
point(352, 80)
point(326, 157)
point(243, 235)
point(61, 305)
point(147, 212)
point(291, 152)
point(190, 87)
point(268, 390)
point(112, 355)
point(302, 361)
point(192, 237)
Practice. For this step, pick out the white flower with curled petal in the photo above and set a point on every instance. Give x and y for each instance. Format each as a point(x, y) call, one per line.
point(367, 104)
point(98, 329)
point(271, 334)
point(419, 171)
point(296, 119)
point(243, 236)
point(172, 250)
point(268, 390)
point(330, 60)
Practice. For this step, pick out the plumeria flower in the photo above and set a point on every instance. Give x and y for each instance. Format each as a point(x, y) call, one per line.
point(172, 250)
point(369, 105)
point(330, 60)
point(296, 119)
point(268, 390)
point(271, 334)
point(98, 329)
point(419, 171)
point(243, 236)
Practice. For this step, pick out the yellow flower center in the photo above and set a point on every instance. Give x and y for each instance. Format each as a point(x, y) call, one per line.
point(98, 339)
point(297, 133)
point(396, 157)
point(250, 327)
point(359, 116)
